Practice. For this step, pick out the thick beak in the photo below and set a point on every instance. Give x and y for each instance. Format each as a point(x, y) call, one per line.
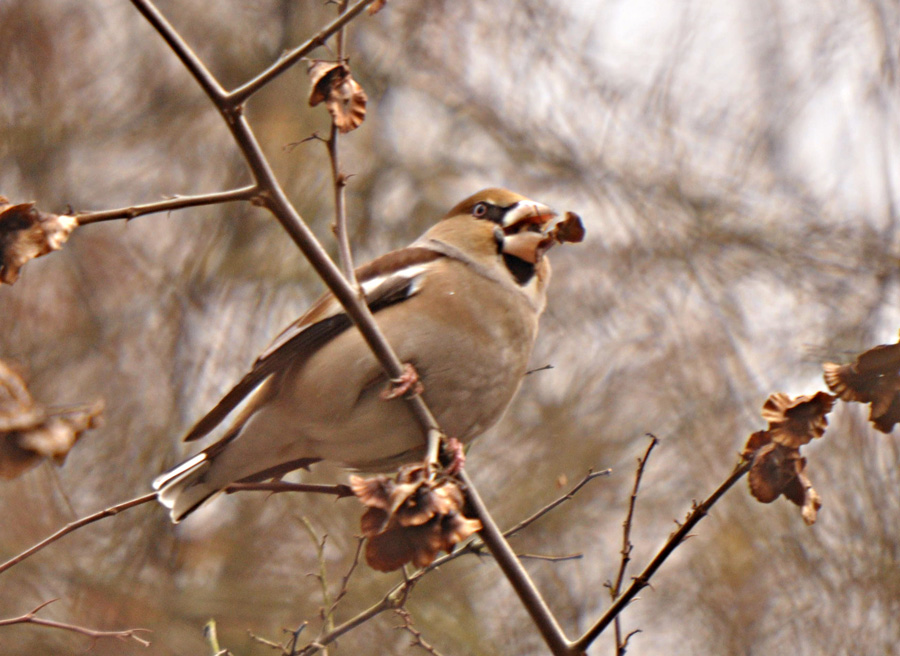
point(523, 227)
point(529, 236)
point(526, 214)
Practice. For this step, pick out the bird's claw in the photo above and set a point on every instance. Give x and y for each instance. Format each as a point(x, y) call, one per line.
point(408, 384)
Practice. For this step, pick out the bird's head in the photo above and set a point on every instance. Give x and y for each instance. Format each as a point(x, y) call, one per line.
point(498, 221)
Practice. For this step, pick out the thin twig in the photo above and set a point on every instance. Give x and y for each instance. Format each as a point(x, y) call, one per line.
point(339, 180)
point(269, 643)
point(242, 93)
point(340, 490)
point(322, 576)
point(345, 581)
point(345, 255)
point(31, 618)
point(409, 627)
point(72, 526)
point(639, 582)
point(591, 475)
point(176, 203)
point(550, 559)
point(475, 546)
point(393, 599)
point(627, 546)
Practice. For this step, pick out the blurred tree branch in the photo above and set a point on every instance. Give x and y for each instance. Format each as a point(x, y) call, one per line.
point(32, 618)
point(698, 512)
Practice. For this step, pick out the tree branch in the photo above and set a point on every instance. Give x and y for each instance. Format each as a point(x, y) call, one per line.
point(591, 475)
point(697, 513)
point(31, 618)
point(73, 526)
point(182, 50)
point(626, 541)
point(339, 180)
point(506, 558)
point(242, 93)
point(176, 203)
point(340, 491)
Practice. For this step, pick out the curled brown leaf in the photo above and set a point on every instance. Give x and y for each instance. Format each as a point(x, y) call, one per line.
point(780, 470)
point(30, 433)
point(777, 467)
point(410, 518)
point(570, 229)
point(873, 378)
point(794, 422)
point(26, 233)
point(345, 99)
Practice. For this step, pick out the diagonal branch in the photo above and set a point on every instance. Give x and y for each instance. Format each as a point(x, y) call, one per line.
point(74, 526)
point(242, 93)
point(639, 582)
point(182, 50)
point(516, 574)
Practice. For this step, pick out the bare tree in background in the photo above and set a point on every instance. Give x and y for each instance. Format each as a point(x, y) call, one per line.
point(737, 166)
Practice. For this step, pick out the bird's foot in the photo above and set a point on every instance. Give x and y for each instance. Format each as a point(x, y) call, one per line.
point(453, 456)
point(407, 384)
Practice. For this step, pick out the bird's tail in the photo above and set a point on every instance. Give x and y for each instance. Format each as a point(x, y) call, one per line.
point(182, 490)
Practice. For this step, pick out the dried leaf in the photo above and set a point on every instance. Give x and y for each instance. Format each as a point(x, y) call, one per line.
point(30, 433)
point(570, 229)
point(755, 442)
point(794, 422)
point(26, 233)
point(780, 470)
point(373, 492)
point(874, 378)
point(771, 473)
point(885, 419)
point(345, 99)
point(410, 518)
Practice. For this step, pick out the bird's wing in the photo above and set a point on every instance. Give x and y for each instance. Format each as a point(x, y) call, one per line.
point(385, 281)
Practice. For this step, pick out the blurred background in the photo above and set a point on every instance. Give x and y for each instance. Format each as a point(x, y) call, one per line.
point(738, 169)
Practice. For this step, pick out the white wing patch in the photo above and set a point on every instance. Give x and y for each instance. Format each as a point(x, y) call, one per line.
point(413, 274)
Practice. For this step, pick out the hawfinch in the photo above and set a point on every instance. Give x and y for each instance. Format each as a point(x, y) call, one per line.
point(461, 305)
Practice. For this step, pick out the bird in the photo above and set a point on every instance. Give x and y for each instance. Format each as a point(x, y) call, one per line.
point(460, 305)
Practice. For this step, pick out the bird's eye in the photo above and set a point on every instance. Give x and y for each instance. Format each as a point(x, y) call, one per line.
point(480, 210)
